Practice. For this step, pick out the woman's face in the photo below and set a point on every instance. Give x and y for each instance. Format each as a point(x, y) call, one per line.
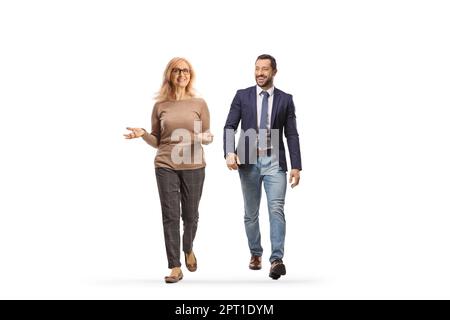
point(180, 75)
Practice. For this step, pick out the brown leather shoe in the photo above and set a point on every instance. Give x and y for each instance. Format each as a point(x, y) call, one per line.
point(190, 266)
point(173, 278)
point(277, 269)
point(255, 263)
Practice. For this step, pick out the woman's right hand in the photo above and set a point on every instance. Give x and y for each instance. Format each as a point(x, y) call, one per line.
point(135, 133)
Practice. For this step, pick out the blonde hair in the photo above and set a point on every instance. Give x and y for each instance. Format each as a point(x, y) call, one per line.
point(167, 90)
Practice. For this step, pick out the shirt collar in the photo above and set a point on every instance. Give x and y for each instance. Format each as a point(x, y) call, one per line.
point(270, 90)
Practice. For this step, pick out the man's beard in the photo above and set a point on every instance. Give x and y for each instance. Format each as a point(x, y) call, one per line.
point(266, 82)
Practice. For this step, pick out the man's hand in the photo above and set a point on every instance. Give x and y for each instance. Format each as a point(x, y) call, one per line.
point(232, 161)
point(294, 177)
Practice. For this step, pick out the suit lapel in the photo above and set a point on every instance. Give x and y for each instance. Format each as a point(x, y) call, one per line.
point(275, 105)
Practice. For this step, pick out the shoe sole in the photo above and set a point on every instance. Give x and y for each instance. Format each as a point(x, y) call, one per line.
point(254, 268)
point(172, 280)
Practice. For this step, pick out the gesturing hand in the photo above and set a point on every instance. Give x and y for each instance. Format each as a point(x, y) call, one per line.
point(135, 133)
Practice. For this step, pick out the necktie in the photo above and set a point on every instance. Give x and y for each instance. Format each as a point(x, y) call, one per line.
point(263, 123)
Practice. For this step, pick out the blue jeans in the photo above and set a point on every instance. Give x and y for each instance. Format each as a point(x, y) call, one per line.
point(274, 178)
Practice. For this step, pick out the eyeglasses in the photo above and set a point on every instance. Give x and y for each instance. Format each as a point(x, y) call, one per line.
point(178, 70)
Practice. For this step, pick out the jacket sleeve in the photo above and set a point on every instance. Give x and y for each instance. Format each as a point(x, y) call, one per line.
point(231, 125)
point(292, 138)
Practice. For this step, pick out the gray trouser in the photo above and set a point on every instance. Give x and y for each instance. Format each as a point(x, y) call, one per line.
point(179, 187)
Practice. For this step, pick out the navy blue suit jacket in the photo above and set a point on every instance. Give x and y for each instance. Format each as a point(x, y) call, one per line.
point(243, 109)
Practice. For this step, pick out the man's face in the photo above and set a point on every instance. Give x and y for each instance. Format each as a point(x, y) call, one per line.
point(264, 73)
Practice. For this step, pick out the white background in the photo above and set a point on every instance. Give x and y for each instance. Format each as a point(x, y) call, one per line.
point(79, 210)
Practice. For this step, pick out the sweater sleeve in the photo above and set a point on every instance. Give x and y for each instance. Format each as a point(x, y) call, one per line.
point(154, 137)
point(204, 117)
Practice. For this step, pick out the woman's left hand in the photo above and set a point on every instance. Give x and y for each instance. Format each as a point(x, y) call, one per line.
point(204, 137)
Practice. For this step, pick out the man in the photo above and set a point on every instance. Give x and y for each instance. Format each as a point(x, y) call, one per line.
point(264, 112)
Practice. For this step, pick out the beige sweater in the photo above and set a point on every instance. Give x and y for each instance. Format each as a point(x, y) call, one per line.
point(174, 125)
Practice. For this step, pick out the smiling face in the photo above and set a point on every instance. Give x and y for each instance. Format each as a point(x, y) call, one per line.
point(180, 74)
point(264, 73)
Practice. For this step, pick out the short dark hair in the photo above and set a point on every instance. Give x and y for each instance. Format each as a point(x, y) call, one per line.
point(273, 62)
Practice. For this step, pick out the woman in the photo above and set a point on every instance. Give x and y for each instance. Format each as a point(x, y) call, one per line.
point(180, 124)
